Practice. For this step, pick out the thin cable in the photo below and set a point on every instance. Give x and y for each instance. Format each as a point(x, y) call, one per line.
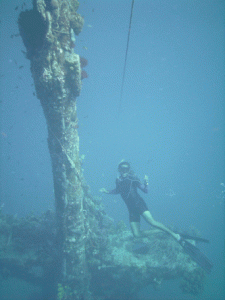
point(125, 63)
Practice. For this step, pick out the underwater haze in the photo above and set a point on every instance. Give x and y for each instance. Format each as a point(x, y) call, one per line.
point(169, 123)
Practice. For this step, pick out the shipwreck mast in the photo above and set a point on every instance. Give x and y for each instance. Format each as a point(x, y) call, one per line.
point(48, 34)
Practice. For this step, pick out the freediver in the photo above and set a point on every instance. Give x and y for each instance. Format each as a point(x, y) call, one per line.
point(126, 185)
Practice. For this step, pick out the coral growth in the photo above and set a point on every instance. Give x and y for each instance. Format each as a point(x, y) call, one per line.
point(83, 62)
point(54, 4)
point(84, 74)
point(76, 23)
point(64, 292)
point(33, 29)
point(193, 283)
point(28, 248)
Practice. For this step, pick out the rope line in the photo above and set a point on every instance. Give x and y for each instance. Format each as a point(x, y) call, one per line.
point(125, 63)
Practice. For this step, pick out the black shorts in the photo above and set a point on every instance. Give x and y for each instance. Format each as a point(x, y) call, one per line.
point(137, 209)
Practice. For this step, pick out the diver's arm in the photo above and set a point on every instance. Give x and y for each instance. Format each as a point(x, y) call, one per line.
point(112, 192)
point(143, 188)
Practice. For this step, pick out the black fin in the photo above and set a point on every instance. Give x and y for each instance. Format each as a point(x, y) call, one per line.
point(194, 238)
point(200, 258)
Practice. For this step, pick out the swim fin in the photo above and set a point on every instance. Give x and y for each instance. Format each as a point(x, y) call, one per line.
point(196, 255)
point(194, 238)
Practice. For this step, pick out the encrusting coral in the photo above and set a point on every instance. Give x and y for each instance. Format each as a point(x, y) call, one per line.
point(29, 247)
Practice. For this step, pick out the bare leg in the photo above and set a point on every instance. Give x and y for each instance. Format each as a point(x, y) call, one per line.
point(135, 227)
point(149, 219)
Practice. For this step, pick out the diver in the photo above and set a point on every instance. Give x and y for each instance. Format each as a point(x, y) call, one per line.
point(126, 185)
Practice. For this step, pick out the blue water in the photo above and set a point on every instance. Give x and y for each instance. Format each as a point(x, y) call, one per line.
point(170, 125)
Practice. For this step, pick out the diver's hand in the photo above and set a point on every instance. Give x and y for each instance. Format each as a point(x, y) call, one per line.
point(103, 190)
point(146, 180)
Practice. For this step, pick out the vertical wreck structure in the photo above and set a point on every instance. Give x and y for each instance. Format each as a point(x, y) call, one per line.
point(48, 32)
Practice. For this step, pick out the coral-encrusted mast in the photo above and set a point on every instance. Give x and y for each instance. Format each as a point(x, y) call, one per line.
point(48, 32)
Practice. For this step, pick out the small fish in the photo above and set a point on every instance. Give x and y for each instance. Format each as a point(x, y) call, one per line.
point(89, 25)
point(16, 8)
point(20, 67)
point(34, 94)
point(3, 134)
point(85, 48)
